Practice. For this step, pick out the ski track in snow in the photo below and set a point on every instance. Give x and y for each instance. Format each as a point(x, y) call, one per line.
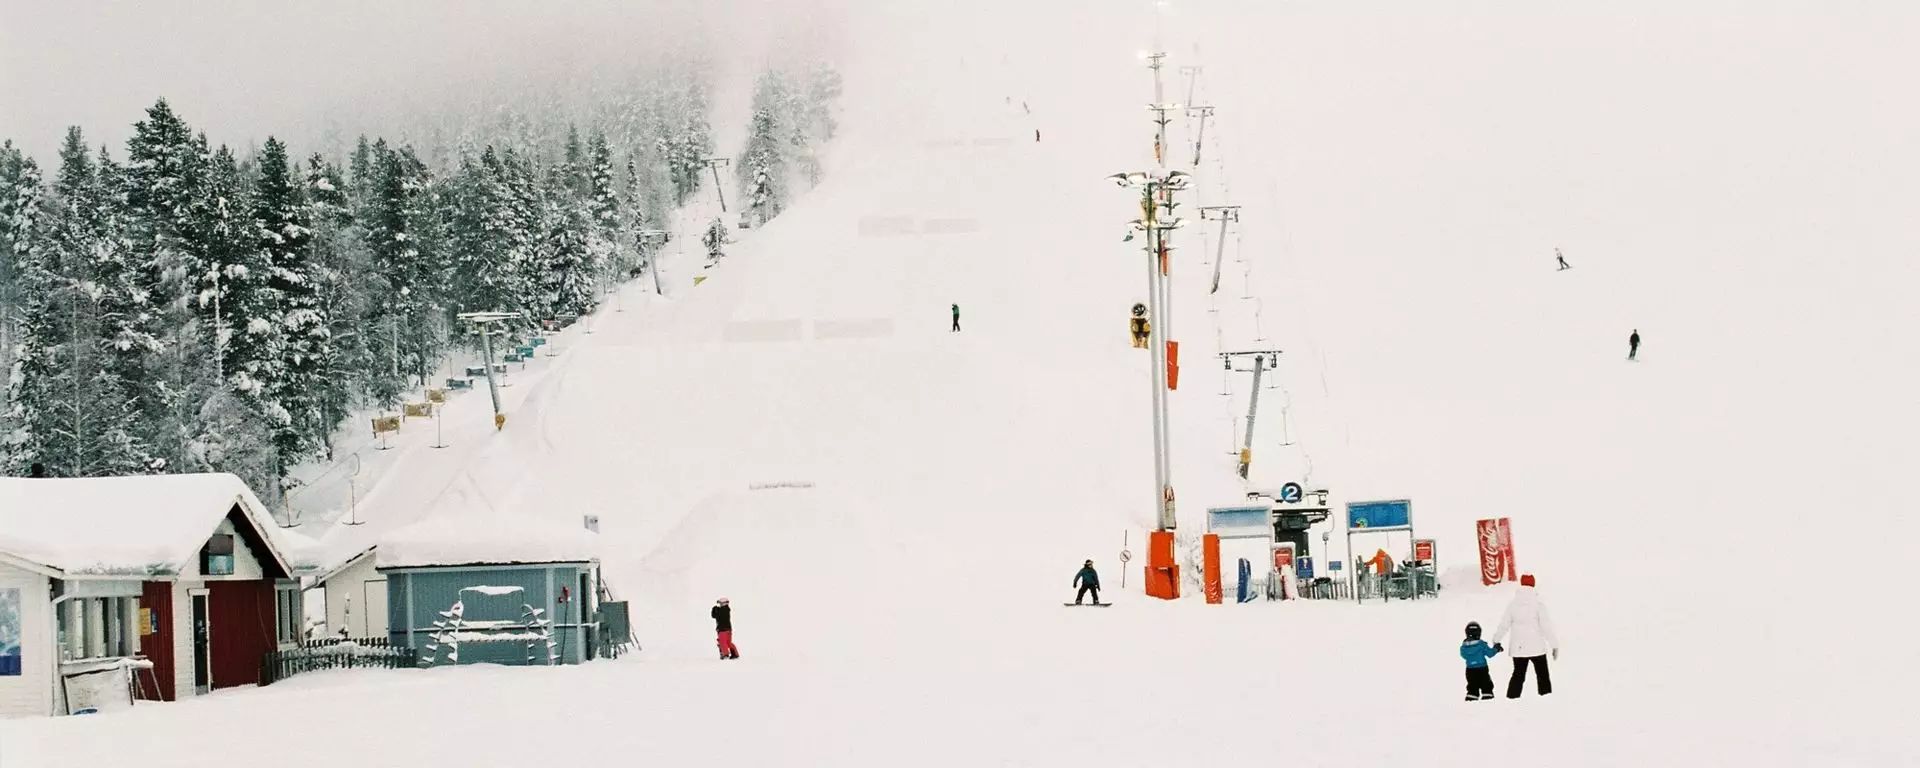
point(1405, 177)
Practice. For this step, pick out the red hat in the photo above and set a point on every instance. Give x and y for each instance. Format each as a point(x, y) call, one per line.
point(1526, 579)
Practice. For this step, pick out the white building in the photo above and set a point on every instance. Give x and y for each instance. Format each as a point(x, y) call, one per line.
point(173, 583)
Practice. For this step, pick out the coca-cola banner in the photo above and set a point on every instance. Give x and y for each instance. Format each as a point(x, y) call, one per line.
point(1506, 549)
point(1493, 551)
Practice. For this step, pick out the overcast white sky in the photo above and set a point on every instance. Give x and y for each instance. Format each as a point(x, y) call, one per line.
point(243, 69)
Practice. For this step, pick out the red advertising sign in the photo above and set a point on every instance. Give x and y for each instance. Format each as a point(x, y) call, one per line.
point(1283, 559)
point(1493, 567)
point(1506, 549)
point(1423, 550)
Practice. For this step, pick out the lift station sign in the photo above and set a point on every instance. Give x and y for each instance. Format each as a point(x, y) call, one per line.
point(1374, 515)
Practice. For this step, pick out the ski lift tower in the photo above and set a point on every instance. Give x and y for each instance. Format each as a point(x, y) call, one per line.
point(1153, 185)
point(653, 239)
point(484, 323)
point(1263, 361)
point(715, 164)
point(1156, 196)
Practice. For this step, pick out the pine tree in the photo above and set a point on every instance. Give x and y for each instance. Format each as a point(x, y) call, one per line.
point(519, 223)
point(387, 230)
point(165, 183)
point(284, 237)
point(13, 167)
point(762, 169)
point(688, 141)
point(232, 421)
point(236, 299)
point(604, 234)
point(338, 259)
point(71, 413)
point(568, 269)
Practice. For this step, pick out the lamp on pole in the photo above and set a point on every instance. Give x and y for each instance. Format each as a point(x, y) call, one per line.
point(1153, 185)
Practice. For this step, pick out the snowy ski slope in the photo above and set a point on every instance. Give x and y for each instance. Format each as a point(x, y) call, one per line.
point(1719, 527)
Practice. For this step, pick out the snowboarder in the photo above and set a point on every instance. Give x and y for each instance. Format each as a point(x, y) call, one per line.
point(956, 318)
point(723, 627)
point(1557, 256)
point(1087, 580)
point(1476, 652)
point(1633, 345)
point(1036, 135)
point(1533, 638)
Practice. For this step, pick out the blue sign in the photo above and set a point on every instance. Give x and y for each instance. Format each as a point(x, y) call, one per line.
point(1363, 515)
point(1291, 493)
point(1303, 568)
point(1246, 582)
point(1333, 565)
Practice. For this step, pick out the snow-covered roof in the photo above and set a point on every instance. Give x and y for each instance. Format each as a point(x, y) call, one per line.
point(486, 538)
point(146, 525)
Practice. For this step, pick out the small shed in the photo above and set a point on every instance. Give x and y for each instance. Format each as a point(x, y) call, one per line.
point(355, 596)
point(176, 581)
point(492, 590)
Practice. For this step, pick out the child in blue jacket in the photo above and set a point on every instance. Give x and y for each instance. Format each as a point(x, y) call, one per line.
point(1477, 652)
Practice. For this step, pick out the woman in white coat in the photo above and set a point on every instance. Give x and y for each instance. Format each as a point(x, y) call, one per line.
point(1533, 639)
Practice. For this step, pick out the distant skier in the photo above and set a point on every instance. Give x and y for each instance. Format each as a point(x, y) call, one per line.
point(1087, 580)
point(1036, 135)
point(1557, 256)
point(1633, 345)
point(723, 628)
point(956, 319)
point(1533, 638)
point(1476, 652)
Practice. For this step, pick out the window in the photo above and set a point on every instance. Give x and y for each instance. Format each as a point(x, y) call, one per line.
point(287, 609)
point(99, 627)
point(217, 558)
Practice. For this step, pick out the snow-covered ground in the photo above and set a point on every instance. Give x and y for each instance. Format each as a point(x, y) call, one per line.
point(1718, 528)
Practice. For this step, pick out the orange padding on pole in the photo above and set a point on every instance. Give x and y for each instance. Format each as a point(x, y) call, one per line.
point(1173, 365)
point(1163, 577)
point(1210, 567)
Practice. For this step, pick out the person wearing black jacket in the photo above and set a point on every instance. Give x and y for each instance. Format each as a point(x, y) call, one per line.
point(723, 626)
point(1088, 580)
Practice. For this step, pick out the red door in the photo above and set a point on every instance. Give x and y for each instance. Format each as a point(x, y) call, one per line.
point(156, 598)
point(242, 617)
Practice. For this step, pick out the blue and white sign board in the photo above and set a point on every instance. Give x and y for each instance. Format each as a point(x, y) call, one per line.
point(1240, 522)
point(1378, 515)
point(1303, 568)
point(1291, 493)
point(1333, 565)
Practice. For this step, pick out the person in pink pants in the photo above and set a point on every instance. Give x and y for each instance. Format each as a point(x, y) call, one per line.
point(723, 627)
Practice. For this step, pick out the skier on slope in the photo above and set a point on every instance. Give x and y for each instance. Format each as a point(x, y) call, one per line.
point(723, 628)
point(1633, 345)
point(1533, 638)
point(956, 318)
point(1557, 256)
point(1087, 580)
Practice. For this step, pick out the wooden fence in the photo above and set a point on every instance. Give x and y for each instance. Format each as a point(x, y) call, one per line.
point(335, 653)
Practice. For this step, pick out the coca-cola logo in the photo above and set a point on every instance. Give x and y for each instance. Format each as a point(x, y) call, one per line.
point(1491, 566)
